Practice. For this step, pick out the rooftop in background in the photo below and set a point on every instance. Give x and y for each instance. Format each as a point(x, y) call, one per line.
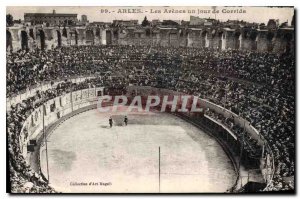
point(49, 15)
point(51, 18)
point(53, 14)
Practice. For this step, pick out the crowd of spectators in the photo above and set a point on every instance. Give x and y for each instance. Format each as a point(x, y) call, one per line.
point(22, 177)
point(249, 144)
point(259, 87)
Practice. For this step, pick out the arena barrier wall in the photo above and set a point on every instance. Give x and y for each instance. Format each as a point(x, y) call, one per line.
point(41, 87)
point(63, 105)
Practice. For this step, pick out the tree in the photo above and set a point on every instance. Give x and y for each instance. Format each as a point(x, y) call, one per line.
point(9, 20)
point(283, 25)
point(145, 22)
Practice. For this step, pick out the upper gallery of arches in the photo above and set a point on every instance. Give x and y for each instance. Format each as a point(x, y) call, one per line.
point(242, 38)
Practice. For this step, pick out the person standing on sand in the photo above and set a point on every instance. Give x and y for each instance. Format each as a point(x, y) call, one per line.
point(110, 122)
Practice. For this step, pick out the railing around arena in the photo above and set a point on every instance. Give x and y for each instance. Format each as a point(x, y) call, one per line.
point(61, 106)
point(53, 110)
point(42, 86)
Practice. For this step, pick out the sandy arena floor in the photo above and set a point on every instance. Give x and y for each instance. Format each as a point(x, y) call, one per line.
point(85, 155)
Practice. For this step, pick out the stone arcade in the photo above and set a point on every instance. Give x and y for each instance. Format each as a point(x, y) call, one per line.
point(219, 38)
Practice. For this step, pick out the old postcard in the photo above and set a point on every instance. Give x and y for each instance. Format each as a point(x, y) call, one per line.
point(150, 99)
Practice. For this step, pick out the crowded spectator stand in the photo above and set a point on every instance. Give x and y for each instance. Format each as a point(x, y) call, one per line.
point(258, 87)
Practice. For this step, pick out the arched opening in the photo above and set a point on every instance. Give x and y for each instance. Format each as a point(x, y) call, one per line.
point(8, 40)
point(246, 34)
point(42, 39)
point(213, 33)
point(31, 34)
point(24, 40)
point(253, 38)
point(76, 37)
point(220, 35)
point(148, 32)
point(65, 34)
point(204, 38)
point(183, 34)
point(173, 38)
point(58, 38)
point(116, 34)
point(270, 36)
point(237, 41)
point(288, 38)
point(97, 32)
point(108, 37)
point(90, 37)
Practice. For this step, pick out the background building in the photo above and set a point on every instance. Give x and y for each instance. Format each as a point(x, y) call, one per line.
point(125, 22)
point(51, 18)
point(196, 20)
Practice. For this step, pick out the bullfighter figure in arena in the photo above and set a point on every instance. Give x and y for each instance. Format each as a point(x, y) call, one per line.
point(125, 120)
point(110, 122)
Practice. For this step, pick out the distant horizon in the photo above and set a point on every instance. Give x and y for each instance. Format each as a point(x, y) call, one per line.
point(94, 14)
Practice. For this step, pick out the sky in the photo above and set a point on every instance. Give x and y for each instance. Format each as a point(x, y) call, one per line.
point(251, 14)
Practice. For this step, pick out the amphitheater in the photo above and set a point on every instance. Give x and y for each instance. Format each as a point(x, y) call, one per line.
point(59, 142)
